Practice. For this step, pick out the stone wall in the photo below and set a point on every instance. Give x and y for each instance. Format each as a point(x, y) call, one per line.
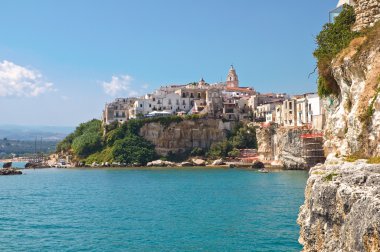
point(185, 135)
point(367, 13)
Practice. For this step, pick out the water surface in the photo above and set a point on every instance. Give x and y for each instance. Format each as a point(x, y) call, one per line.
point(150, 210)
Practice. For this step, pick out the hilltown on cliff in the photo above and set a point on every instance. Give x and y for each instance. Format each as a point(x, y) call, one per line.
point(300, 115)
point(225, 100)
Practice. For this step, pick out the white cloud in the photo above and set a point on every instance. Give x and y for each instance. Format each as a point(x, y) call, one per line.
point(19, 81)
point(121, 85)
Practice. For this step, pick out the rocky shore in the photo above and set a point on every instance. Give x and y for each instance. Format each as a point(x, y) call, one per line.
point(10, 171)
point(341, 211)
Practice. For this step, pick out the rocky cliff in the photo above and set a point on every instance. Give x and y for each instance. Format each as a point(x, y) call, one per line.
point(341, 211)
point(284, 146)
point(342, 208)
point(367, 13)
point(185, 135)
point(353, 118)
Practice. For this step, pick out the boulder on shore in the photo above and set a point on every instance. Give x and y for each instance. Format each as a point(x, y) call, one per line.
point(160, 163)
point(10, 171)
point(199, 162)
point(186, 164)
point(7, 165)
point(218, 162)
point(30, 165)
point(258, 164)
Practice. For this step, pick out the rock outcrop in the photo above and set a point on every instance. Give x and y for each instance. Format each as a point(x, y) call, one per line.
point(285, 146)
point(185, 135)
point(199, 162)
point(341, 211)
point(160, 163)
point(367, 13)
point(353, 118)
point(342, 208)
point(10, 171)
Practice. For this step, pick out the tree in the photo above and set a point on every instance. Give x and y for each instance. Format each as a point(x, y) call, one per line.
point(133, 149)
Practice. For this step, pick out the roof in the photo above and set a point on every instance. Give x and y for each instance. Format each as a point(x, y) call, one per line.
point(240, 89)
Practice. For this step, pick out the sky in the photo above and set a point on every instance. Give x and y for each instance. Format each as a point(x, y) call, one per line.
point(61, 61)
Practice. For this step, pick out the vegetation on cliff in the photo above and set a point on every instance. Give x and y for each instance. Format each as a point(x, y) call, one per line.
point(242, 137)
point(90, 142)
point(333, 38)
point(120, 144)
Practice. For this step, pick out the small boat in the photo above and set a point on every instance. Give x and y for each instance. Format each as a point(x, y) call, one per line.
point(7, 165)
point(263, 170)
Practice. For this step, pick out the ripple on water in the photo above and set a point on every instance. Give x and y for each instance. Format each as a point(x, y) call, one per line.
point(150, 210)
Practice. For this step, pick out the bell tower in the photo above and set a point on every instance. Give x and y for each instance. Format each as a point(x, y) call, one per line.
point(232, 78)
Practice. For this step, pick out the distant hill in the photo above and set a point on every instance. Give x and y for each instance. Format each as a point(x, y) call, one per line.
point(31, 133)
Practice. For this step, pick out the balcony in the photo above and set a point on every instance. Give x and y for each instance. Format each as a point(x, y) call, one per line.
point(334, 13)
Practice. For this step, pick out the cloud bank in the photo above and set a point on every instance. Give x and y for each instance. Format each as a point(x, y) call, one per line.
point(120, 85)
point(19, 81)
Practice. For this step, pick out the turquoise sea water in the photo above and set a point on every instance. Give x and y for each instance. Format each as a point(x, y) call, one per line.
point(150, 210)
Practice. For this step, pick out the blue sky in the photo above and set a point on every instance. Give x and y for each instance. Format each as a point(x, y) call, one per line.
point(57, 57)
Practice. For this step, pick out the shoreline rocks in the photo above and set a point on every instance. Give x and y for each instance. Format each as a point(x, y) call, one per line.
point(10, 171)
point(199, 162)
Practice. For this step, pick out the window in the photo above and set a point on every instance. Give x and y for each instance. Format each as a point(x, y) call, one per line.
point(183, 95)
point(154, 99)
point(141, 105)
point(199, 95)
point(191, 95)
point(150, 105)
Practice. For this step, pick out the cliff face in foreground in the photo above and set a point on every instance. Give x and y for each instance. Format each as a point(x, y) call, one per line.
point(342, 208)
point(353, 118)
point(341, 211)
point(185, 135)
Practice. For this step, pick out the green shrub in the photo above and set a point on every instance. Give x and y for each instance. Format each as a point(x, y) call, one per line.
point(370, 110)
point(354, 157)
point(219, 150)
point(333, 38)
point(373, 160)
point(234, 153)
point(99, 157)
point(133, 149)
point(85, 140)
point(196, 151)
point(330, 177)
point(244, 138)
point(86, 144)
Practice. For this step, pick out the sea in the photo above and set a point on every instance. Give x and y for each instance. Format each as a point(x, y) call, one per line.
point(184, 209)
